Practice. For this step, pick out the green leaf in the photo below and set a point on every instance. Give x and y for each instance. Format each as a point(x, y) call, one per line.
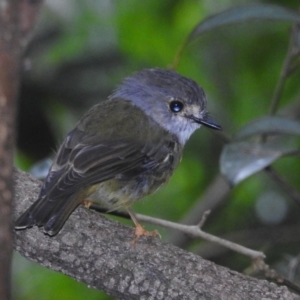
point(245, 13)
point(240, 160)
point(269, 125)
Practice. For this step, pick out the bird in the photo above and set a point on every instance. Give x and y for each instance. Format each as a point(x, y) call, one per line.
point(123, 149)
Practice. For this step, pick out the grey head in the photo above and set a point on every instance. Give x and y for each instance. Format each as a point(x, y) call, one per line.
point(175, 102)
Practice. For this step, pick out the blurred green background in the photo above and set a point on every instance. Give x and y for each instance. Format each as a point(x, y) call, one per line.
point(82, 49)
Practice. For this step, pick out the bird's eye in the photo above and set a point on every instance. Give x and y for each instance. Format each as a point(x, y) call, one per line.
point(176, 106)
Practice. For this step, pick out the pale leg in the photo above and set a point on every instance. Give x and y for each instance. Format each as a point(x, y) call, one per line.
point(139, 229)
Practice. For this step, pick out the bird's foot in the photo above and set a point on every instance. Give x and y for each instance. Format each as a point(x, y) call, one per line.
point(87, 203)
point(141, 231)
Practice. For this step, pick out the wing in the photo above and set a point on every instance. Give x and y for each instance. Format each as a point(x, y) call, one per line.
point(83, 165)
point(88, 164)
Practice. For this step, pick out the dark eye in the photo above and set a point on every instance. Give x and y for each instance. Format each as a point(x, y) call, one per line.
point(176, 106)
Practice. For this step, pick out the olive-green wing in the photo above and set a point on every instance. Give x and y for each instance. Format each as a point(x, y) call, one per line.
point(84, 161)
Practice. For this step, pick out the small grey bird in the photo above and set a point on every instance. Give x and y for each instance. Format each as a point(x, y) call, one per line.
point(122, 149)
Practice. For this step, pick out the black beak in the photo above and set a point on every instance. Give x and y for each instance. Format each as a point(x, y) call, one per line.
point(207, 121)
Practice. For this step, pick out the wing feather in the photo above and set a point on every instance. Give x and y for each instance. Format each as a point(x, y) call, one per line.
point(91, 164)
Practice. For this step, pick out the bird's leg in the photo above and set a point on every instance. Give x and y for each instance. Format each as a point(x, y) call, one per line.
point(87, 203)
point(139, 229)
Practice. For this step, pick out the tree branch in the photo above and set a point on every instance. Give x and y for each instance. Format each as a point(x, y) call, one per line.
point(99, 252)
point(212, 198)
point(16, 22)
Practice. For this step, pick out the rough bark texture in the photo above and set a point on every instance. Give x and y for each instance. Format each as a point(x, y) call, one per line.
point(16, 21)
point(8, 88)
point(7, 112)
point(99, 252)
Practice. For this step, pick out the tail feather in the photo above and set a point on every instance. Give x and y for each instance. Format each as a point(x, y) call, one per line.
point(50, 214)
point(34, 214)
point(59, 216)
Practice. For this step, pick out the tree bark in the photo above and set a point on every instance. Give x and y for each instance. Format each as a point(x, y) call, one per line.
point(99, 252)
point(16, 21)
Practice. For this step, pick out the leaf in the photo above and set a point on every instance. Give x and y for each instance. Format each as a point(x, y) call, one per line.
point(245, 13)
point(240, 160)
point(269, 125)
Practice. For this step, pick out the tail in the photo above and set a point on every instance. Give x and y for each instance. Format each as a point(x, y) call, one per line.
point(50, 214)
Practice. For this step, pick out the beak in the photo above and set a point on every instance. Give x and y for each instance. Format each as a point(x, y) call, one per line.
point(206, 121)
